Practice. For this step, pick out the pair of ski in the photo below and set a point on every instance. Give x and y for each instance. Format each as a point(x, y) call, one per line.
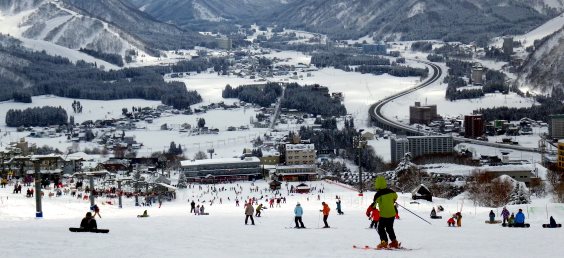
point(401, 248)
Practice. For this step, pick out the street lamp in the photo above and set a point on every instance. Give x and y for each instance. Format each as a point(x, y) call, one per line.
point(38, 208)
point(162, 163)
point(359, 143)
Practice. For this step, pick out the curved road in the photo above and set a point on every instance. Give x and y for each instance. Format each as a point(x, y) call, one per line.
point(382, 121)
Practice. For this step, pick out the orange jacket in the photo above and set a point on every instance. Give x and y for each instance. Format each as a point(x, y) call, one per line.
point(326, 209)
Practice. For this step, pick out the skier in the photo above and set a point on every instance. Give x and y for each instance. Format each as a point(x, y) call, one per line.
point(339, 211)
point(386, 198)
point(249, 210)
point(458, 219)
point(259, 209)
point(88, 222)
point(325, 211)
point(192, 207)
point(373, 215)
point(505, 215)
point(298, 213)
point(492, 216)
point(96, 210)
point(520, 219)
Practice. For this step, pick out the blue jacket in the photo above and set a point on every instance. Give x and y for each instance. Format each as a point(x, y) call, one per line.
point(298, 211)
point(519, 217)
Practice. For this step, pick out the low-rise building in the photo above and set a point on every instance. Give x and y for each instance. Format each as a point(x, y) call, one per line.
point(300, 154)
point(419, 114)
point(270, 159)
point(297, 173)
point(522, 173)
point(221, 170)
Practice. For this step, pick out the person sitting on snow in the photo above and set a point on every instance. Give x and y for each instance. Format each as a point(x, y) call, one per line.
point(520, 219)
point(434, 213)
point(144, 215)
point(552, 223)
point(511, 219)
point(88, 222)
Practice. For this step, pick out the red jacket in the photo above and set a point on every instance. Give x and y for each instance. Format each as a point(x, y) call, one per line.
point(373, 212)
point(450, 221)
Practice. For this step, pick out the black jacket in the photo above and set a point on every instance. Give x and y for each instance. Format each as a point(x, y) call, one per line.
point(88, 223)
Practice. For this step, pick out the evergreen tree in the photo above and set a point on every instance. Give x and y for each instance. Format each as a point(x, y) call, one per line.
point(519, 195)
point(182, 184)
point(201, 122)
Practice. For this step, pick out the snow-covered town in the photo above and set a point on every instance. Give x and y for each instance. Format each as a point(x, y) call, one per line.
point(122, 136)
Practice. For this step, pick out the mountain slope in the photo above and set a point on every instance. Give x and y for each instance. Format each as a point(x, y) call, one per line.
point(184, 12)
point(458, 20)
point(108, 26)
point(543, 71)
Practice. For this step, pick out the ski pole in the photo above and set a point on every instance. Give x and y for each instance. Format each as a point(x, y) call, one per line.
point(414, 213)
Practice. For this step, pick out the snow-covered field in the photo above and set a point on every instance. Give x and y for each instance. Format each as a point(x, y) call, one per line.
point(435, 94)
point(171, 231)
point(360, 90)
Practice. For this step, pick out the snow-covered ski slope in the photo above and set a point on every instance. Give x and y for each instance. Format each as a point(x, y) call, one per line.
point(538, 33)
point(172, 232)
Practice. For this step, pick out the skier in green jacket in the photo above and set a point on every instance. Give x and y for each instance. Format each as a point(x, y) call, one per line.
point(386, 198)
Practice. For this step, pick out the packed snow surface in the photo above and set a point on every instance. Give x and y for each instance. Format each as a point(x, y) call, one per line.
point(171, 231)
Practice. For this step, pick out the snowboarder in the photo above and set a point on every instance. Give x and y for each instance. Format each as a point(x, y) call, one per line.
point(192, 207)
point(511, 219)
point(492, 216)
point(505, 215)
point(259, 209)
point(88, 222)
point(197, 211)
point(298, 213)
point(202, 210)
point(552, 222)
point(373, 215)
point(249, 210)
point(144, 215)
point(434, 213)
point(520, 219)
point(325, 211)
point(339, 211)
point(96, 210)
point(386, 198)
point(451, 221)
